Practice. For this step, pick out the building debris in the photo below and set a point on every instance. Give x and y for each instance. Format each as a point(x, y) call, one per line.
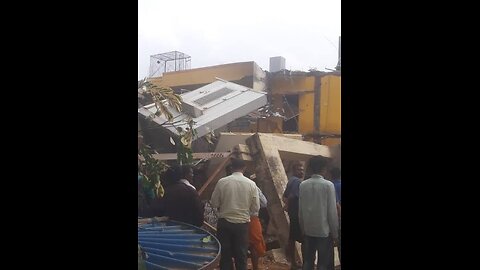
point(210, 107)
point(269, 152)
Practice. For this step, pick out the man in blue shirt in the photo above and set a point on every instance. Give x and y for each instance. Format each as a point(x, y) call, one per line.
point(318, 216)
point(290, 198)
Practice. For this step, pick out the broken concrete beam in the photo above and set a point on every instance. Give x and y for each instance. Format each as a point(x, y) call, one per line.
point(267, 151)
point(242, 148)
point(242, 152)
point(226, 142)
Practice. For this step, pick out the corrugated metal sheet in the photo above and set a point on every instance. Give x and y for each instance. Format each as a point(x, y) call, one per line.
point(233, 101)
point(177, 245)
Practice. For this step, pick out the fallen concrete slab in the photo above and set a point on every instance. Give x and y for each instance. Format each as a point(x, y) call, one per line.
point(210, 107)
point(269, 151)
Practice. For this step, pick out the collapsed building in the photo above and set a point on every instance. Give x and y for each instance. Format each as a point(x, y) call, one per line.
point(267, 118)
point(301, 102)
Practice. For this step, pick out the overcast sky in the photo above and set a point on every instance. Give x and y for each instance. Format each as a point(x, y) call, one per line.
point(215, 32)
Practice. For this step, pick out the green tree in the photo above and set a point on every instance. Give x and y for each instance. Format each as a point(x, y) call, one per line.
point(164, 98)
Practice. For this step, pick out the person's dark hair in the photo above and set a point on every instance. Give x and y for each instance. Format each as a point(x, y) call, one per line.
point(318, 163)
point(293, 165)
point(237, 164)
point(184, 169)
point(335, 173)
point(228, 170)
point(172, 175)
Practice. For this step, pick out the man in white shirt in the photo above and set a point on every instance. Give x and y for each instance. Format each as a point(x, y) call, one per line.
point(236, 197)
point(318, 216)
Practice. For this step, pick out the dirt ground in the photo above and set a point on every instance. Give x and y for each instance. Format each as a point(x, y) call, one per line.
point(269, 264)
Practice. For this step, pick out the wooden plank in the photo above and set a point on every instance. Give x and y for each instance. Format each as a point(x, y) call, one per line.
point(240, 151)
point(206, 155)
point(215, 173)
point(210, 227)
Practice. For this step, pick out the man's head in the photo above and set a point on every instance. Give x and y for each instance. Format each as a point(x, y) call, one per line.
point(187, 172)
point(228, 170)
point(238, 165)
point(297, 169)
point(318, 164)
point(171, 175)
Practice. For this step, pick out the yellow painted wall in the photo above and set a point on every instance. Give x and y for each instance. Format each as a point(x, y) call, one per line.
point(305, 113)
point(229, 72)
point(330, 107)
